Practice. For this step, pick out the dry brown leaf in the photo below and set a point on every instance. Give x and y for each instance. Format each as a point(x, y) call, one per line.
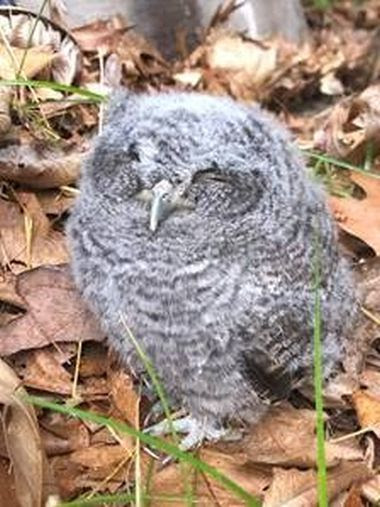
point(51, 169)
point(100, 34)
point(55, 312)
point(43, 371)
point(101, 460)
point(371, 489)
point(34, 60)
point(124, 396)
point(286, 436)
point(88, 467)
point(353, 499)
point(26, 29)
point(61, 435)
point(172, 481)
point(361, 217)
point(367, 408)
point(239, 66)
point(296, 488)
point(23, 441)
point(26, 234)
point(352, 124)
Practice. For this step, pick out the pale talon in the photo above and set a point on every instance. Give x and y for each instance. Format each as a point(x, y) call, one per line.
point(196, 432)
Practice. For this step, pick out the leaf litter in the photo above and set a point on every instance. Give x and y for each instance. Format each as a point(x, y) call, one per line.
point(327, 92)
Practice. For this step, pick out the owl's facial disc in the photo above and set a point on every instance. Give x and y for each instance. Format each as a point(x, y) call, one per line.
point(164, 198)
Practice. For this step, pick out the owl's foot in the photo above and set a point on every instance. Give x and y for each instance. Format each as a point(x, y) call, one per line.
point(196, 432)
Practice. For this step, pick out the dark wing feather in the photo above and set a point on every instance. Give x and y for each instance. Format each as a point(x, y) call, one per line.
point(269, 379)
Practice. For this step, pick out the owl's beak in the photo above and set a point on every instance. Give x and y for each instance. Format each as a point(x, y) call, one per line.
point(165, 198)
point(161, 203)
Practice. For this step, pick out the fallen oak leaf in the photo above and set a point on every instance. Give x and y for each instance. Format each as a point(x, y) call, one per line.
point(55, 312)
point(26, 233)
point(271, 441)
point(360, 217)
point(367, 408)
point(296, 488)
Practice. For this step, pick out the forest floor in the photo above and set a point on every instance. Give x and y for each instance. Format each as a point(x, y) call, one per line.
point(328, 93)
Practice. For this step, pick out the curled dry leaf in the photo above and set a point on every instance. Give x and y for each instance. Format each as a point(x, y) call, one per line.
point(43, 371)
point(23, 441)
point(101, 34)
point(50, 169)
point(296, 488)
point(24, 29)
point(272, 440)
point(361, 217)
point(55, 312)
point(27, 236)
point(352, 124)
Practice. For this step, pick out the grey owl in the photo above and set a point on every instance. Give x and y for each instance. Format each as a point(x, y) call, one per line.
point(195, 225)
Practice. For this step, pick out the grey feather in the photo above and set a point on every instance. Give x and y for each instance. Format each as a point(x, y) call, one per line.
point(221, 294)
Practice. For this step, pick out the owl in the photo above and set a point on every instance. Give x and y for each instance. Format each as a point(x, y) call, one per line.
point(197, 230)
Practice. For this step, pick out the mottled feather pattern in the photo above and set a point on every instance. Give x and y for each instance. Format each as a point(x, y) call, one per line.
point(221, 295)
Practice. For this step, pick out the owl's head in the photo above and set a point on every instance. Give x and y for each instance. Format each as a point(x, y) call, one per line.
point(179, 155)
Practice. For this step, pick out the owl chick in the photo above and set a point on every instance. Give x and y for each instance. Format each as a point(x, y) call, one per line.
point(196, 227)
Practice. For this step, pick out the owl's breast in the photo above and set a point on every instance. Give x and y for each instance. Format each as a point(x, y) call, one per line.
point(165, 295)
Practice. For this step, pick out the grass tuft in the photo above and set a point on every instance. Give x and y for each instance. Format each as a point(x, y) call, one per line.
point(147, 439)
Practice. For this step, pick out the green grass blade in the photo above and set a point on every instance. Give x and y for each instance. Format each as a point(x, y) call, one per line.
point(30, 36)
point(340, 163)
point(118, 499)
point(152, 441)
point(318, 381)
point(153, 376)
point(189, 493)
point(95, 97)
point(322, 4)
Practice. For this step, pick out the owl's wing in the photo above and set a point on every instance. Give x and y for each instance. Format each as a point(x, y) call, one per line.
point(270, 380)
